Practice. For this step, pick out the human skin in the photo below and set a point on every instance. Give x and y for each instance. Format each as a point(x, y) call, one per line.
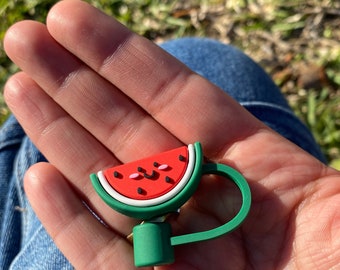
point(91, 94)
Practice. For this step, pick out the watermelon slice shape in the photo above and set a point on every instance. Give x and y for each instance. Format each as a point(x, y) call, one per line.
point(153, 186)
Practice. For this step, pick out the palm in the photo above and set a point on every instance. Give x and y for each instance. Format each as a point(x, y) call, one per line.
point(93, 108)
point(281, 231)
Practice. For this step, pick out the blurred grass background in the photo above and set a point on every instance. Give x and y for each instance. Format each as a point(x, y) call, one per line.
point(296, 41)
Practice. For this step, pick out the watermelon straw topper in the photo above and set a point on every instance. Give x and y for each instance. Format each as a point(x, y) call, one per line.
point(158, 185)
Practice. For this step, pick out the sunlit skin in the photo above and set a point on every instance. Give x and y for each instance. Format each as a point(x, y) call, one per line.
point(92, 95)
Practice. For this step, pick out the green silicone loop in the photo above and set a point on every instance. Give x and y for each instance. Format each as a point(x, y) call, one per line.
point(238, 179)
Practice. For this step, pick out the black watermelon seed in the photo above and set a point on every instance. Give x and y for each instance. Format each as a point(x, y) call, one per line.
point(156, 164)
point(116, 174)
point(168, 179)
point(181, 158)
point(140, 169)
point(140, 191)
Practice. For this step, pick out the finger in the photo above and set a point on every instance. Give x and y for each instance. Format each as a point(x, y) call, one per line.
point(66, 144)
point(48, 124)
point(190, 107)
point(83, 240)
point(92, 101)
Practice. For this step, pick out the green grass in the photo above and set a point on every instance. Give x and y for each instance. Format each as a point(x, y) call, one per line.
point(286, 37)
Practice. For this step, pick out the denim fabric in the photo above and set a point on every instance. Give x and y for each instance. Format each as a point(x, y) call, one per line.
point(24, 242)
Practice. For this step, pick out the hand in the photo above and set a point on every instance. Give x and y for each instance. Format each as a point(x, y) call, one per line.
point(93, 95)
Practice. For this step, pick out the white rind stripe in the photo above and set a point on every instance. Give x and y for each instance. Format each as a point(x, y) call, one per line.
point(142, 203)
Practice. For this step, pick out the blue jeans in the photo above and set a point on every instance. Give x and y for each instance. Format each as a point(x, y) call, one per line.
point(25, 243)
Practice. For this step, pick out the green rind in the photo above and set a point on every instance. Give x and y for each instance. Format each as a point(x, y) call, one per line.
point(169, 206)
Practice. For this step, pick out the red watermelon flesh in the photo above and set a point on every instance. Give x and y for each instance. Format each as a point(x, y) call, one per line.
point(151, 177)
